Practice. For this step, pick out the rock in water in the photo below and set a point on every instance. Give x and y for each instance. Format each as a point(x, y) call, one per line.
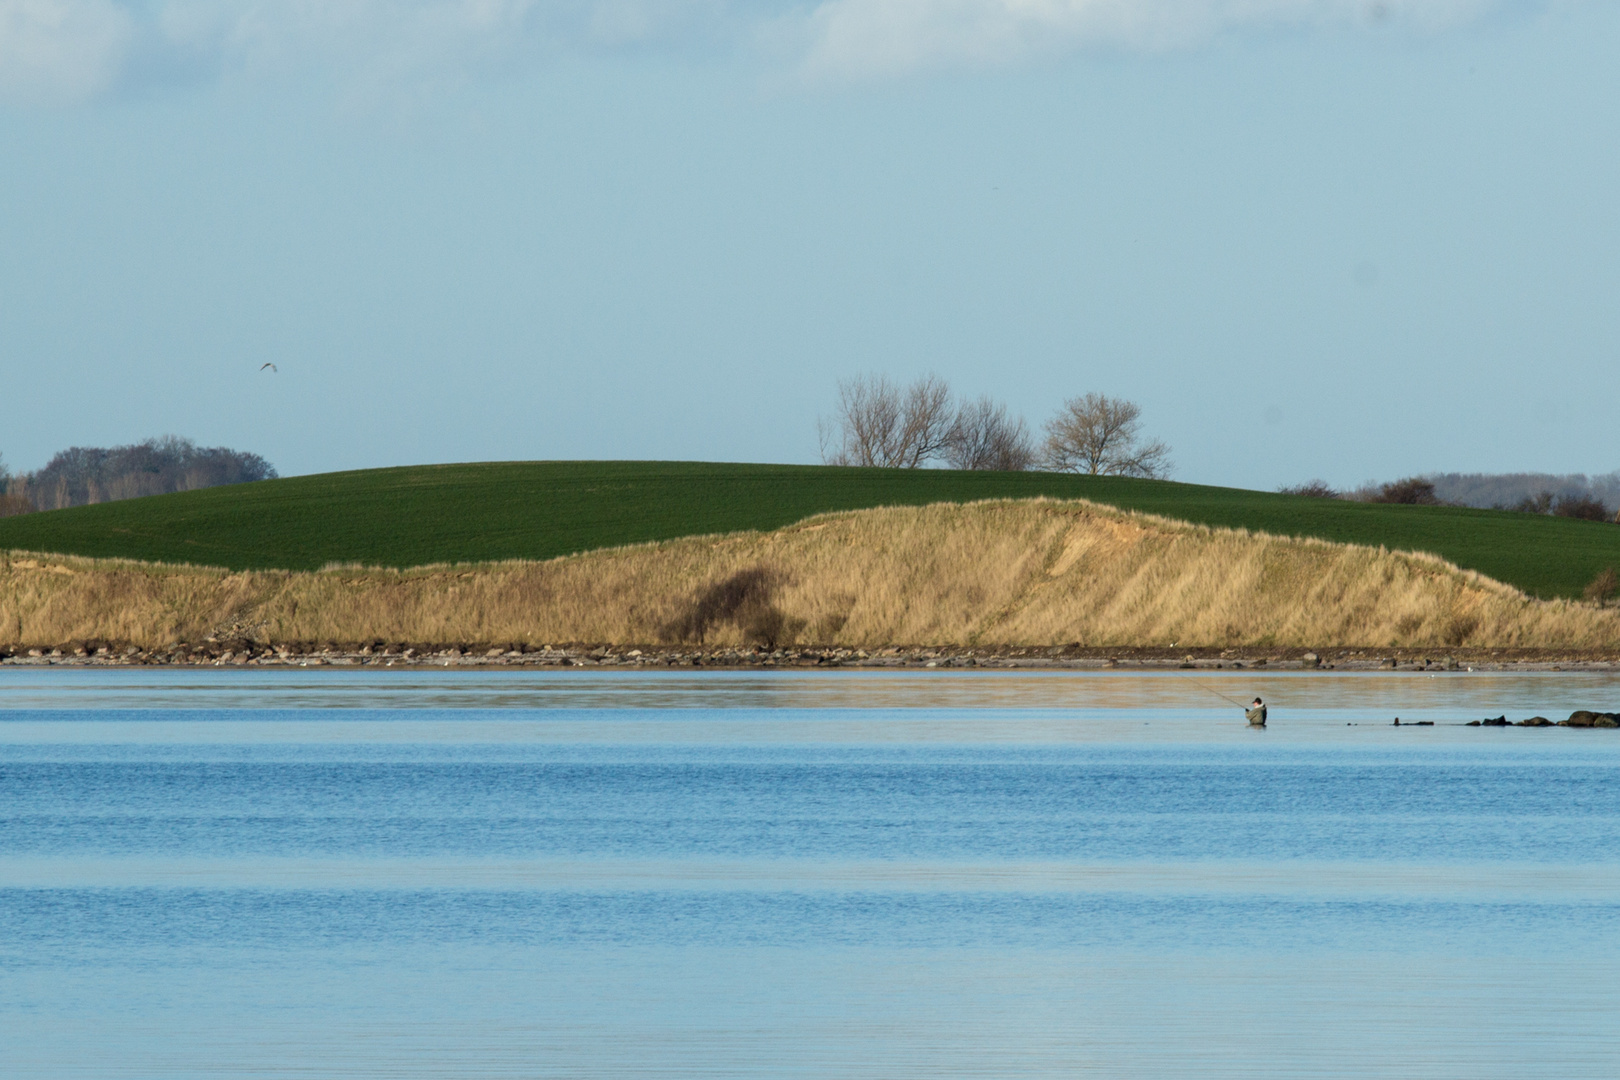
point(1588, 719)
point(1536, 721)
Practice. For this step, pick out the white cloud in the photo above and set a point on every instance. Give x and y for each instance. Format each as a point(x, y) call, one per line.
point(420, 33)
point(69, 49)
point(64, 50)
point(874, 37)
point(57, 51)
point(354, 36)
point(377, 50)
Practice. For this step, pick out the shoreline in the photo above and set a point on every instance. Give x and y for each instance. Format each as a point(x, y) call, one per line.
point(243, 653)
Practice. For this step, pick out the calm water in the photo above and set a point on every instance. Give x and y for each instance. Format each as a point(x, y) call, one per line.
point(851, 874)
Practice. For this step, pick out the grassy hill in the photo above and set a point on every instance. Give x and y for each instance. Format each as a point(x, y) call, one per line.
point(535, 510)
point(991, 574)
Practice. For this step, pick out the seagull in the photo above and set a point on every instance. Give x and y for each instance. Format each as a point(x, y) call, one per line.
point(272, 367)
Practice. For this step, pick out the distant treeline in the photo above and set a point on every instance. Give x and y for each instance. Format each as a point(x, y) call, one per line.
point(1529, 491)
point(1575, 495)
point(95, 474)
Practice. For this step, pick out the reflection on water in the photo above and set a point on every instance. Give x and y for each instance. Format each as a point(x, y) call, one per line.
point(1449, 694)
point(831, 874)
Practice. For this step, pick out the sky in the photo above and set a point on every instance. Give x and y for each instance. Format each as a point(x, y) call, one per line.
point(1310, 238)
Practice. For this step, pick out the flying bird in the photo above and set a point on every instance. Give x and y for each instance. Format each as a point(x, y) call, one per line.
point(272, 367)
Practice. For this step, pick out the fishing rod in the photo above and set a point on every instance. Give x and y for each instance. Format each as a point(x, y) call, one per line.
point(1217, 693)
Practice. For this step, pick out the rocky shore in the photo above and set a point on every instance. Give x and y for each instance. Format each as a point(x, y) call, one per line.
point(1580, 718)
point(221, 652)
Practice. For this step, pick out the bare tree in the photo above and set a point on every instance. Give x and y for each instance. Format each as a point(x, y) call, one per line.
point(879, 423)
point(10, 504)
point(1102, 436)
point(927, 421)
point(866, 427)
point(984, 436)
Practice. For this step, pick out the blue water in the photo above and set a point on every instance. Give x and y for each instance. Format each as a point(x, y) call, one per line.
point(833, 874)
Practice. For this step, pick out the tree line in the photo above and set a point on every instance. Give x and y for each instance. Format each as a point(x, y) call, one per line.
point(878, 422)
point(81, 475)
point(1527, 493)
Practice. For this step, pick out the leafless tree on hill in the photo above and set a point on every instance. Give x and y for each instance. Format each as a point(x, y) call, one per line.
point(1102, 436)
point(985, 436)
point(882, 424)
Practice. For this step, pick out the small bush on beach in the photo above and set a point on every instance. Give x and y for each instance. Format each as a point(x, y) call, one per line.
point(1604, 586)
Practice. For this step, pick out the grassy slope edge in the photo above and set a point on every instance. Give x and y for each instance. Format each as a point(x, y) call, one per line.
point(987, 574)
point(417, 515)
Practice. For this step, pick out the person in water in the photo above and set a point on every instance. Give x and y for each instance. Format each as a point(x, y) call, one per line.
point(1256, 713)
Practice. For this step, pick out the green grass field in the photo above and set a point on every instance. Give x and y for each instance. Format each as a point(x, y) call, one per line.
point(536, 510)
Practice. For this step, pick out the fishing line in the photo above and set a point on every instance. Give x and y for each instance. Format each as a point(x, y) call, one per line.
point(1217, 693)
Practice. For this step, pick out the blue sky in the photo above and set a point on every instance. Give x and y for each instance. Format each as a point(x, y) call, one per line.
point(1310, 237)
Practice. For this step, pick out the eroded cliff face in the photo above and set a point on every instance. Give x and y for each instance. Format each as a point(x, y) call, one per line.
point(993, 574)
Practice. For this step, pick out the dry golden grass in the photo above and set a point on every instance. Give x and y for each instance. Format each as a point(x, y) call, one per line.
point(986, 574)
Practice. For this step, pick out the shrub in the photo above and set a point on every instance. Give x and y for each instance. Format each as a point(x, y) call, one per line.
point(1539, 503)
point(1413, 491)
point(1312, 489)
point(1581, 506)
point(1459, 628)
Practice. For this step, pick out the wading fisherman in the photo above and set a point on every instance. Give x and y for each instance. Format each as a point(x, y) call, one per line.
point(1256, 713)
